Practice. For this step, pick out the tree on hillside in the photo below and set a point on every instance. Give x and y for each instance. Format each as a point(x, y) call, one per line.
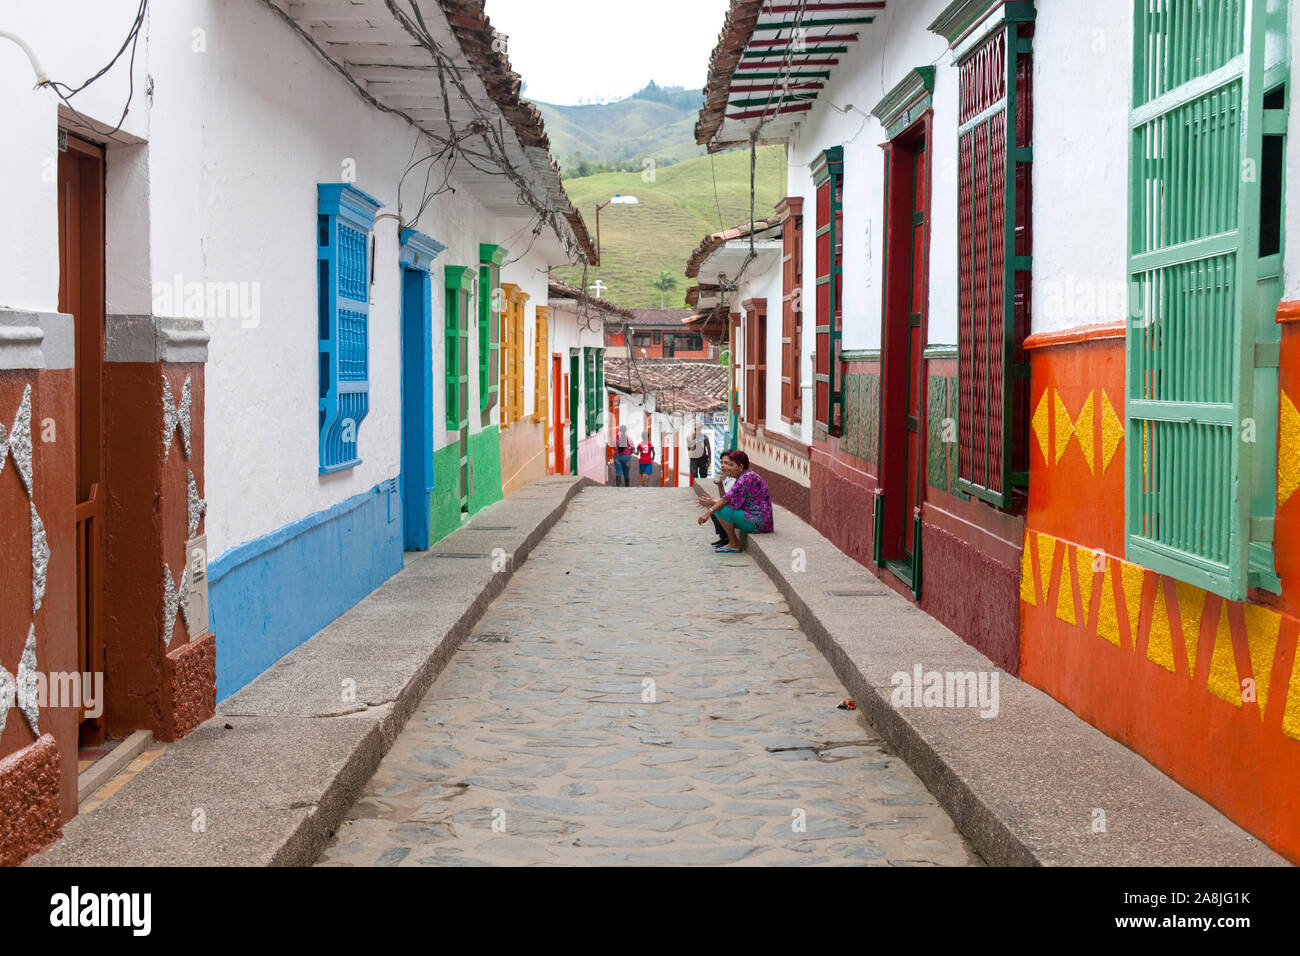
point(665, 284)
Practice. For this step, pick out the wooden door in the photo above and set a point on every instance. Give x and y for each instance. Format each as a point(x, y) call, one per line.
point(81, 293)
point(907, 225)
point(557, 406)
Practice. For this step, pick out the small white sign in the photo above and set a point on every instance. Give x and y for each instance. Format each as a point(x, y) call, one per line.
point(196, 596)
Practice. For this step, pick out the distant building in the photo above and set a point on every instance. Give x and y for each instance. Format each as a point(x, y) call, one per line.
point(660, 333)
point(663, 400)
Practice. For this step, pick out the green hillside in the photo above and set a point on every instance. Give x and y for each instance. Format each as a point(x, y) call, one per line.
point(674, 214)
point(656, 122)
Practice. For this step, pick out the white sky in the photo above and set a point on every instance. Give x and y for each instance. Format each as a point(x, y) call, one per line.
point(567, 50)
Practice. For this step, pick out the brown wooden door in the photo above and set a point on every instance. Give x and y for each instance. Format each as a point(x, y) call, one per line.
point(81, 293)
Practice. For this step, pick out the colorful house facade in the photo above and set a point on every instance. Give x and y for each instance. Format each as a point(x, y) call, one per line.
point(1035, 306)
point(580, 416)
point(252, 344)
point(661, 333)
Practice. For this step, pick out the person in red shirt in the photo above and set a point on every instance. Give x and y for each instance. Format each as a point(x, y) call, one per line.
point(646, 451)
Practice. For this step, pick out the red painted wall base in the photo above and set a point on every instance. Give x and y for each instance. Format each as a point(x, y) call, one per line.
point(189, 688)
point(29, 800)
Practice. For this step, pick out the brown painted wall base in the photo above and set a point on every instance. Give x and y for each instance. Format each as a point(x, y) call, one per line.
point(972, 594)
point(29, 800)
point(190, 689)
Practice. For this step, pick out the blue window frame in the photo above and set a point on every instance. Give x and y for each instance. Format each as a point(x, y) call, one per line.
point(345, 219)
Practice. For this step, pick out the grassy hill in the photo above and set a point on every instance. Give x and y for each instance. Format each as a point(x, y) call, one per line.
point(656, 122)
point(676, 211)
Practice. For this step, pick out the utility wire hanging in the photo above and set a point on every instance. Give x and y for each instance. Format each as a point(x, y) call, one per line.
point(65, 93)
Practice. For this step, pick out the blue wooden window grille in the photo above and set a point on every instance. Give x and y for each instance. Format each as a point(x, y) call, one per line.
point(345, 218)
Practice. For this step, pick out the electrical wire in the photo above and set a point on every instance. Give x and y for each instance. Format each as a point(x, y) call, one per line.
point(132, 40)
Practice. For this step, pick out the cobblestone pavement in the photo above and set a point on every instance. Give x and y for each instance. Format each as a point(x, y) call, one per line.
point(634, 698)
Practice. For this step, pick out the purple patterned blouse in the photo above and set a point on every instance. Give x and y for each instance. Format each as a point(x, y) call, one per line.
point(749, 494)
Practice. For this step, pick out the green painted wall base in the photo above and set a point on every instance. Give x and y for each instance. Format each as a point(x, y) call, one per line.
point(485, 456)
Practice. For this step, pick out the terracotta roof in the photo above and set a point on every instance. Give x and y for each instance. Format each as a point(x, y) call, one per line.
point(483, 48)
point(716, 240)
point(679, 386)
point(559, 289)
point(737, 30)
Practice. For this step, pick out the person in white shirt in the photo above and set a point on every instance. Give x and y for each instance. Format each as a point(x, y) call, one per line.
point(699, 454)
point(725, 482)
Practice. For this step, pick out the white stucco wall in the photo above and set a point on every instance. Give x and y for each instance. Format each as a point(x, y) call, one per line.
point(71, 41)
point(1082, 79)
point(220, 186)
point(897, 42)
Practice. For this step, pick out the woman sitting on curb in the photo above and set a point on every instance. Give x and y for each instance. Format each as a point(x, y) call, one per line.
point(747, 506)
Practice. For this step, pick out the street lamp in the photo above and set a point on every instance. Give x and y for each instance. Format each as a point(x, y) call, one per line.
point(617, 200)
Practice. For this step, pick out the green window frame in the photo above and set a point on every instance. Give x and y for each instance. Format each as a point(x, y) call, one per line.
point(1201, 349)
point(490, 258)
point(828, 180)
point(459, 282)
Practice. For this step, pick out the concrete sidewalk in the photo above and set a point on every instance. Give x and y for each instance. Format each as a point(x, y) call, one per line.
point(266, 780)
point(1025, 786)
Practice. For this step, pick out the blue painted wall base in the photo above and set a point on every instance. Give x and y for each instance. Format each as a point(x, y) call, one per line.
point(269, 595)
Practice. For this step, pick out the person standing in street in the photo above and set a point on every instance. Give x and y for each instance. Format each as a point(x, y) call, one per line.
point(622, 458)
point(700, 453)
point(646, 453)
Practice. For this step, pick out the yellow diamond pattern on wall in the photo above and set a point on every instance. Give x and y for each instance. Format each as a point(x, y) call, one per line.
point(1291, 716)
point(1039, 424)
point(1191, 607)
point(1028, 592)
point(1053, 427)
point(1083, 431)
point(1064, 427)
point(1224, 682)
point(1132, 578)
point(1160, 642)
point(1262, 626)
point(1046, 552)
point(1107, 618)
point(1288, 457)
point(1085, 563)
point(1081, 565)
point(1112, 431)
point(1065, 594)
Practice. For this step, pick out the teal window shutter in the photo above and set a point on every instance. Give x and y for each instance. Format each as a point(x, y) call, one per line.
point(345, 218)
point(1201, 376)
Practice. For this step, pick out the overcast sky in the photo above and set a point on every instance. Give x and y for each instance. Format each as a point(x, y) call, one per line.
point(568, 50)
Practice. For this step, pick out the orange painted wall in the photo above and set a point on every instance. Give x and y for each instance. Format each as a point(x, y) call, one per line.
point(1152, 662)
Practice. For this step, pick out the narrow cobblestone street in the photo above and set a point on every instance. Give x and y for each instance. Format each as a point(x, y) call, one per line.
point(634, 698)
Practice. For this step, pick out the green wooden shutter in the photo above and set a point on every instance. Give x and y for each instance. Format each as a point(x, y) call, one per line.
point(1190, 403)
point(459, 281)
point(489, 325)
point(589, 387)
